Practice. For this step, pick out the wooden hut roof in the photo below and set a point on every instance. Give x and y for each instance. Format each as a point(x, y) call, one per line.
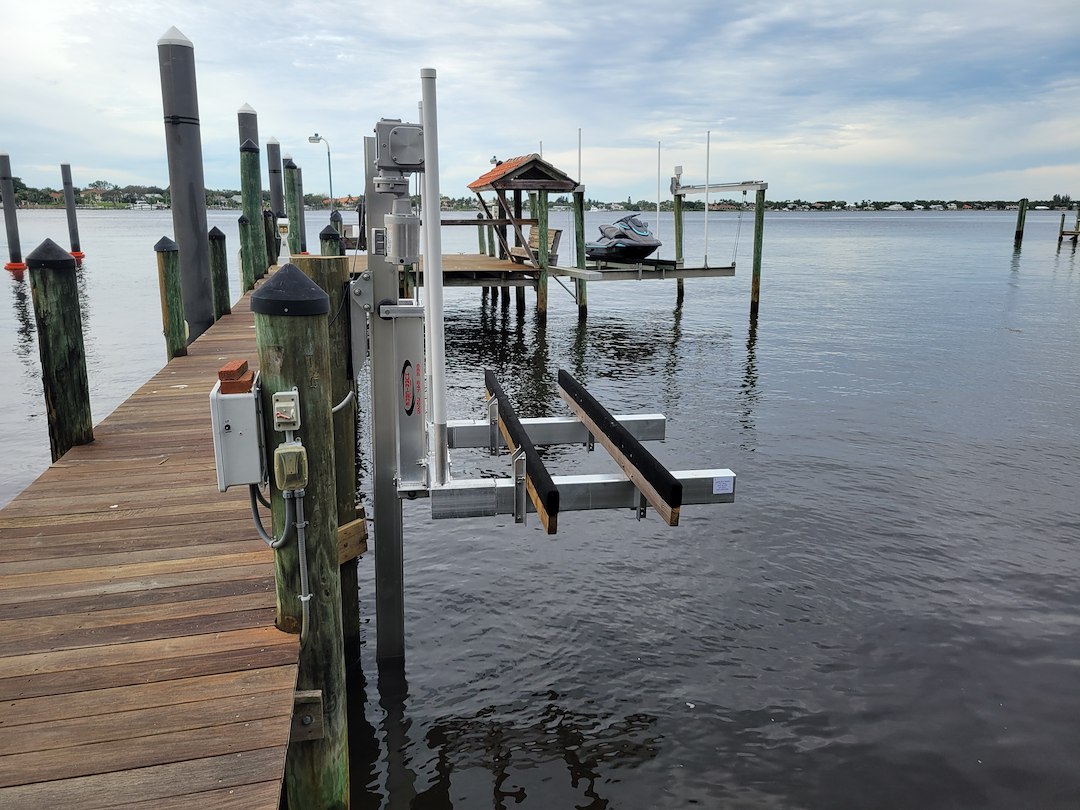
point(524, 173)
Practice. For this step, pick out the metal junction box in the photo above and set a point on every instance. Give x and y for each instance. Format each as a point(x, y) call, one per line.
point(236, 421)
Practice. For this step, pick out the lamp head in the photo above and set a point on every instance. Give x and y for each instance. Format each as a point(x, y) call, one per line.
point(314, 138)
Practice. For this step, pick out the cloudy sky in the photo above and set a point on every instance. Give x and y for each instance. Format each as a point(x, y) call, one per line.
point(837, 99)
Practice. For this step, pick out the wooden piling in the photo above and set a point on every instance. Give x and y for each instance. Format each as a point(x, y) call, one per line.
point(579, 251)
point(331, 272)
point(11, 222)
point(291, 332)
point(679, 288)
point(72, 219)
point(292, 210)
point(55, 291)
point(1021, 216)
point(301, 219)
point(183, 146)
point(1061, 228)
point(173, 324)
point(541, 214)
point(270, 236)
point(253, 257)
point(219, 272)
point(480, 234)
point(759, 235)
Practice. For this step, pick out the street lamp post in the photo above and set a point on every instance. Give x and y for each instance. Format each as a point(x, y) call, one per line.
point(317, 138)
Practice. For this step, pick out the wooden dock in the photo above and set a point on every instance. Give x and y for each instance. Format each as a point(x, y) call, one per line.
point(139, 662)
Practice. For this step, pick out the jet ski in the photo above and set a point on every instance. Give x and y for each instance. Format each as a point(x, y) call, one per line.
point(627, 240)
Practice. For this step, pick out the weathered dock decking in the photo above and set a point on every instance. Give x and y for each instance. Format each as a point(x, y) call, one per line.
point(139, 662)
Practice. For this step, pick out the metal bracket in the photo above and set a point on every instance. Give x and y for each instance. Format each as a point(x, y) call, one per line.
point(360, 303)
point(590, 443)
point(642, 503)
point(493, 426)
point(517, 461)
point(307, 719)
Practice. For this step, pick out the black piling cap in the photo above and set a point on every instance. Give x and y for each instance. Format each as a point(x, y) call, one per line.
point(288, 163)
point(290, 292)
point(216, 233)
point(166, 245)
point(51, 256)
point(329, 234)
point(243, 220)
point(249, 146)
point(335, 216)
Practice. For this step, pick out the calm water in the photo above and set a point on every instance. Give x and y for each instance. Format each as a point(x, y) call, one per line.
point(888, 616)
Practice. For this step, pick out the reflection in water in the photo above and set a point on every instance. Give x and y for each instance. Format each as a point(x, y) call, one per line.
point(586, 743)
point(25, 332)
point(748, 389)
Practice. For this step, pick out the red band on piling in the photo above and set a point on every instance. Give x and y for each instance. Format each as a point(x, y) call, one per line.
point(15, 266)
point(78, 254)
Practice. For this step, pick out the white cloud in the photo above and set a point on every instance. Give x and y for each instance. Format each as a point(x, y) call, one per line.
point(820, 98)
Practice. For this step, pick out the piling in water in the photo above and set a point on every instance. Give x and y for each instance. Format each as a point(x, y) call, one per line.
point(219, 272)
point(55, 291)
point(759, 237)
point(69, 203)
point(270, 237)
point(579, 251)
point(541, 215)
point(176, 58)
point(172, 298)
point(1021, 215)
point(291, 333)
point(7, 191)
point(679, 288)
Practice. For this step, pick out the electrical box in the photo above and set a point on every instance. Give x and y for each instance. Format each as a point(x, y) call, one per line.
point(286, 410)
point(290, 466)
point(238, 443)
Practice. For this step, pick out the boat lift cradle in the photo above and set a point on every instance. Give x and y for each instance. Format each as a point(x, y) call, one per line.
point(411, 437)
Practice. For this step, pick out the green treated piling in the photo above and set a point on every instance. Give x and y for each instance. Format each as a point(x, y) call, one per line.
point(331, 272)
point(541, 214)
point(273, 245)
point(252, 242)
point(329, 245)
point(172, 298)
point(292, 205)
point(1021, 216)
point(247, 235)
point(291, 334)
point(55, 292)
point(219, 272)
point(579, 251)
point(679, 291)
point(759, 234)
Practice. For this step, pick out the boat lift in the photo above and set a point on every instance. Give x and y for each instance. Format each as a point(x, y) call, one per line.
point(411, 436)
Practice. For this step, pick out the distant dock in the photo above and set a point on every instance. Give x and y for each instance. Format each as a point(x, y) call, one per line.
point(140, 662)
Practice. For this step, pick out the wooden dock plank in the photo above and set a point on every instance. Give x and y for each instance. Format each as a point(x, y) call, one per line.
point(139, 663)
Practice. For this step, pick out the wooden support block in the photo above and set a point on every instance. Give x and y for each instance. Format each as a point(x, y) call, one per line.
point(654, 481)
point(233, 370)
point(241, 385)
point(307, 719)
point(541, 489)
point(352, 540)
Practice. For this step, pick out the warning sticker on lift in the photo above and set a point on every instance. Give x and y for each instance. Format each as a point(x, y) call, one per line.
point(410, 387)
point(723, 484)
